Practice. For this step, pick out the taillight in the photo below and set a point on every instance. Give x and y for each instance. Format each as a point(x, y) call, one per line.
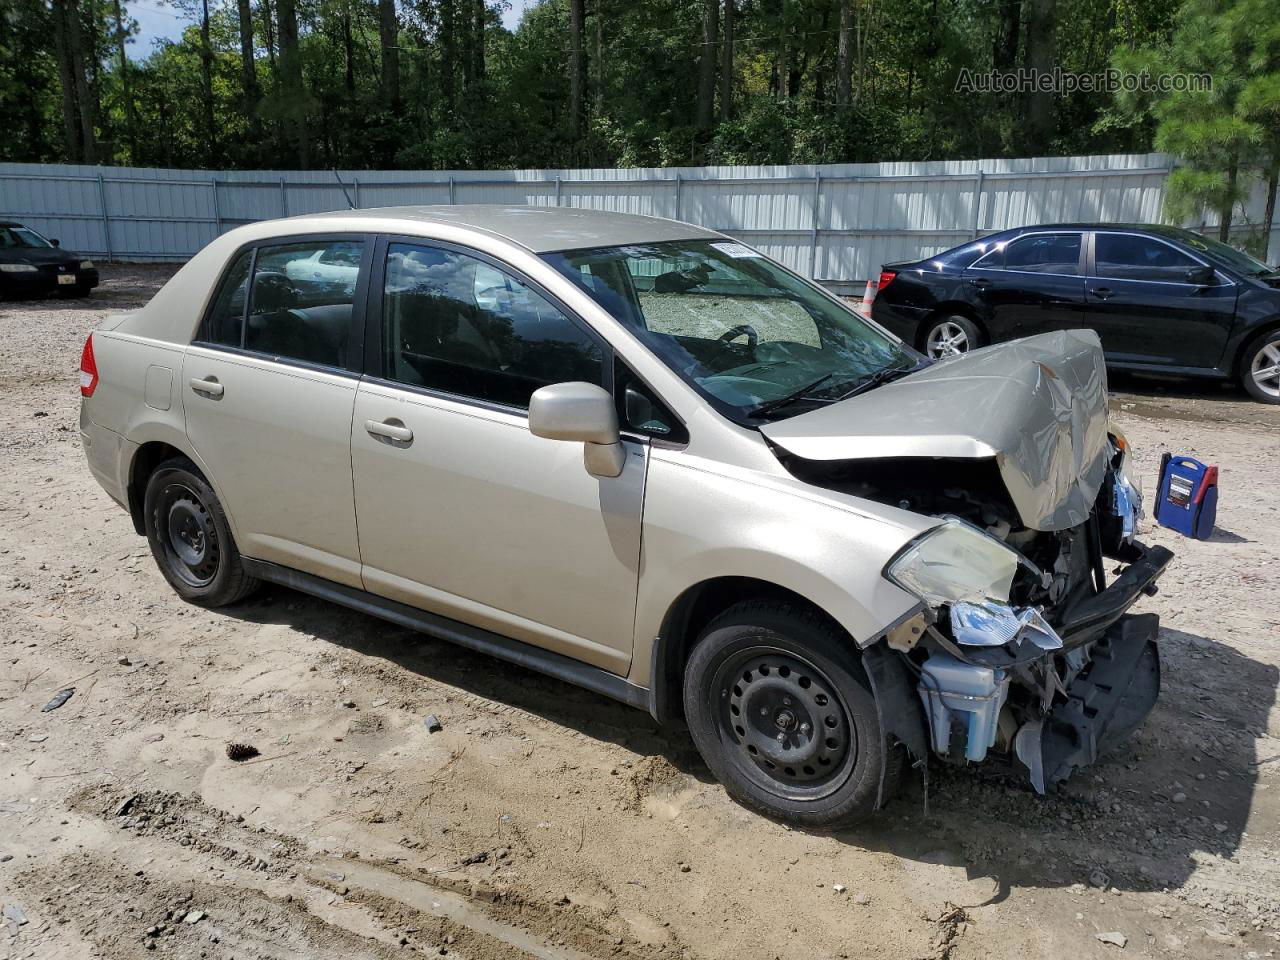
point(88, 369)
point(886, 278)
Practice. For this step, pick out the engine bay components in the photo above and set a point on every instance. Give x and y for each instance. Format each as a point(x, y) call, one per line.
point(963, 703)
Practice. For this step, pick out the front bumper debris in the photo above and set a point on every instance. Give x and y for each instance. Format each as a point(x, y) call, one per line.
point(1104, 704)
point(1094, 616)
point(1048, 698)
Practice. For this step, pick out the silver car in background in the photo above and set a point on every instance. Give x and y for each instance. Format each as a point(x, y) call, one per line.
point(642, 457)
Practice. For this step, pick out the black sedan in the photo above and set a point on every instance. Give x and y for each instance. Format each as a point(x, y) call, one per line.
point(30, 265)
point(1163, 300)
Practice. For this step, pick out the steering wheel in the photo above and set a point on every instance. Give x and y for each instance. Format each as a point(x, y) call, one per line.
point(743, 328)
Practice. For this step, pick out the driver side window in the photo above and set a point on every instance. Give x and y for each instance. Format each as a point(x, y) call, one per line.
point(1126, 256)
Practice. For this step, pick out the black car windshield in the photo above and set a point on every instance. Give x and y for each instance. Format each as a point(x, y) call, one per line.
point(754, 339)
point(1230, 257)
point(21, 237)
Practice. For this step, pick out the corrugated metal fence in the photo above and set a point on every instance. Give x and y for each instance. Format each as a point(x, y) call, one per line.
point(836, 223)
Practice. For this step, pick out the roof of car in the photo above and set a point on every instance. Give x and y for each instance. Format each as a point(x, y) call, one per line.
point(541, 229)
point(1149, 227)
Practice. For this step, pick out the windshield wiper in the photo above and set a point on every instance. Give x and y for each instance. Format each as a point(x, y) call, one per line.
point(769, 406)
point(877, 378)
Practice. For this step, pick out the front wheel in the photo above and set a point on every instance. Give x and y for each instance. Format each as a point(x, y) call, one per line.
point(1261, 368)
point(951, 336)
point(780, 708)
point(190, 538)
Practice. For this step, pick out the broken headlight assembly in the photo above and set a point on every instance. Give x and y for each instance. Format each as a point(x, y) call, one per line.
point(955, 562)
point(971, 572)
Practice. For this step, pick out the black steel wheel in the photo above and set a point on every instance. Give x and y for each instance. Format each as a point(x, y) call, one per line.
point(190, 537)
point(781, 710)
point(788, 721)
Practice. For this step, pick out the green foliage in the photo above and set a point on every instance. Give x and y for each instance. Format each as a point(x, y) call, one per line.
point(1226, 136)
point(30, 108)
point(642, 60)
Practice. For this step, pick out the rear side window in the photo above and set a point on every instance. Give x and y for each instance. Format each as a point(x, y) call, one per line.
point(297, 306)
point(225, 321)
point(1057, 253)
point(1124, 256)
point(301, 301)
point(454, 323)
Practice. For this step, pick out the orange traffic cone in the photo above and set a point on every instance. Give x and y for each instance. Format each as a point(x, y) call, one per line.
point(868, 295)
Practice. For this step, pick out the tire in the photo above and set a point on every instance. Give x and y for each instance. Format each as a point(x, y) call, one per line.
point(1260, 368)
point(767, 670)
point(950, 335)
point(190, 538)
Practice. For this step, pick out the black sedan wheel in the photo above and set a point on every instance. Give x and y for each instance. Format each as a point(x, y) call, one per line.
point(190, 538)
point(1261, 368)
point(950, 336)
point(780, 708)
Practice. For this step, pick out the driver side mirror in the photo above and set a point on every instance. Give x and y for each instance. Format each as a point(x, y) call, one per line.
point(1201, 276)
point(56, 243)
point(581, 412)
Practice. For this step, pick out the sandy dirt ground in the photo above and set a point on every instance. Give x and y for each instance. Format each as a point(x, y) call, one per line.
point(543, 821)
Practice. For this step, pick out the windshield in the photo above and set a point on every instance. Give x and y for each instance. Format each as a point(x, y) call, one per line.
point(1236, 260)
point(754, 339)
point(21, 237)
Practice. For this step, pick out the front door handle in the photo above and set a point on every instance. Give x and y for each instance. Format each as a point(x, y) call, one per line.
point(1102, 293)
point(210, 387)
point(391, 429)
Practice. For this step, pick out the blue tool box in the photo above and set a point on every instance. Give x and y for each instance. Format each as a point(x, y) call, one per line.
point(1187, 500)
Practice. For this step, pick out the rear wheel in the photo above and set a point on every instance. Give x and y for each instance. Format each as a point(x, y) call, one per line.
point(190, 538)
point(780, 708)
point(949, 336)
point(1260, 371)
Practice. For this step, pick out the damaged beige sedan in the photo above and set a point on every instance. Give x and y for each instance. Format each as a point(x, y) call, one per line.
point(642, 457)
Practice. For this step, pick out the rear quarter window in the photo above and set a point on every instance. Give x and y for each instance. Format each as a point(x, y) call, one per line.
point(225, 321)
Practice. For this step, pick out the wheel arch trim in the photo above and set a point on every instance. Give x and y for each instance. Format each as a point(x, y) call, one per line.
point(697, 604)
point(149, 437)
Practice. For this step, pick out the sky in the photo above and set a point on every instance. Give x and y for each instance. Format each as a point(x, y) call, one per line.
point(159, 21)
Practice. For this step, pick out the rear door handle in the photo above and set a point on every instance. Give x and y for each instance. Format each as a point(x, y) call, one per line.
point(980, 282)
point(1102, 293)
point(391, 429)
point(210, 387)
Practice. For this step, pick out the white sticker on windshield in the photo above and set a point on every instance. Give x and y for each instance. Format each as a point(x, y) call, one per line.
point(736, 250)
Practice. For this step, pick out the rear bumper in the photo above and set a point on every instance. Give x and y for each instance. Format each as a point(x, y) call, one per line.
point(108, 455)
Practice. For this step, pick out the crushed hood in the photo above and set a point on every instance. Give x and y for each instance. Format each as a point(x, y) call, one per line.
point(1038, 407)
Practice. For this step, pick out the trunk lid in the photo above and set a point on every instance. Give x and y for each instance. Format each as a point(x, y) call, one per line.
point(1038, 407)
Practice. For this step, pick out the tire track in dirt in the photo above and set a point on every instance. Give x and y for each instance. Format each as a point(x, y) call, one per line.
point(429, 911)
